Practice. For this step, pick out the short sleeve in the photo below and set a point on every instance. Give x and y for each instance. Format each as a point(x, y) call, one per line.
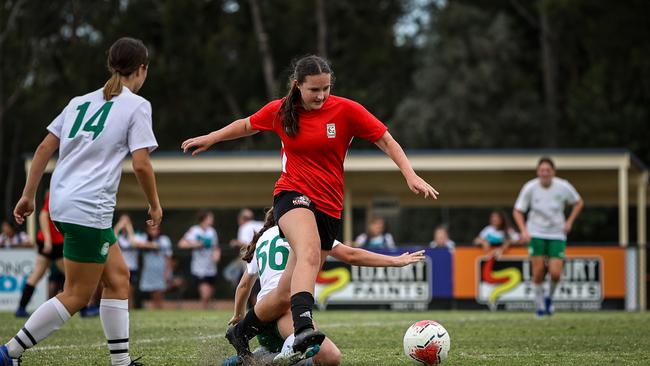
point(388, 239)
point(165, 245)
point(484, 233)
point(191, 234)
point(56, 126)
point(266, 118)
point(140, 134)
point(365, 124)
point(246, 233)
point(572, 194)
point(252, 268)
point(216, 238)
point(336, 242)
point(523, 200)
point(361, 239)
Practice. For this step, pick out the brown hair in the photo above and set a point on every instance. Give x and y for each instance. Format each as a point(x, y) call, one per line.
point(546, 159)
point(249, 250)
point(125, 56)
point(306, 66)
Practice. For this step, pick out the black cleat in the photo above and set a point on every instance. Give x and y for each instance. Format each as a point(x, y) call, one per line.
point(136, 363)
point(239, 342)
point(307, 340)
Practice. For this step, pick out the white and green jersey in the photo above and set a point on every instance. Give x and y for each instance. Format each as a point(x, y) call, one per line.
point(202, 263)
point(95, 136)
point(545, 206)
point(270, 260)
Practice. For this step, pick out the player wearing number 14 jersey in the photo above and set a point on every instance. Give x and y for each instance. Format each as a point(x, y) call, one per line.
point(93, 134)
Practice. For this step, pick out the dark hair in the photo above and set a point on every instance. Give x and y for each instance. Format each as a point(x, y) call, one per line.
point(546, 159)
point(125, 56)
point(202, 215)
point(249, 250)
point(306, 66)
point(506, 225)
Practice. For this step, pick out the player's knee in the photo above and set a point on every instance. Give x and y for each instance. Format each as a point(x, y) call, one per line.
point(117, 279)
point(329, 357)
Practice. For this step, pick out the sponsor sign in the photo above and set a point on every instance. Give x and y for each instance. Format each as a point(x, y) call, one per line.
point(15, 267)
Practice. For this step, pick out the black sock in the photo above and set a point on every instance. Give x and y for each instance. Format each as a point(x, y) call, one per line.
point(301, 305)
point(28, 291)
point(251, 325)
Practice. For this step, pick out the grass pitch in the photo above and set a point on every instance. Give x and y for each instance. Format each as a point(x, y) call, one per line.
point(365, 338)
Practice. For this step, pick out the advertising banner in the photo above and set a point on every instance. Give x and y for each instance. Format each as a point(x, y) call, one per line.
point(15, 267)
point(409, 287)
point(591, 275)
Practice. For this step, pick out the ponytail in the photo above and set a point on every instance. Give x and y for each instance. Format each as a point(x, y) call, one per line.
point(288, 112)
point(113, 86)
point(249, 250)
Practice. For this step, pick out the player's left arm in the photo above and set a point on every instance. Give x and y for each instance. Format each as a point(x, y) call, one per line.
point(44, 152)
point(417, 185)
point(242, 294)
point(575, 211)
point(362, 257)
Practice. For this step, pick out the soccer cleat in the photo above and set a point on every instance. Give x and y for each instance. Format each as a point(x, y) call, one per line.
point(136, 363)
point(239, 342)
point(5, 359)
point(289, 357)
point(233, 361)
point(308, 342)
point(549, 309)
point(21, 313)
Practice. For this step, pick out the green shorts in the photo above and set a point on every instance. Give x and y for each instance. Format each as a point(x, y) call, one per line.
point(85, 244)
point(552, 248)
point(271, 339)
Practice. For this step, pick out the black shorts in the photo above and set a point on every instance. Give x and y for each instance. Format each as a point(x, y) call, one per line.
point(54, 254)
point(205, 279)
point(328, 226)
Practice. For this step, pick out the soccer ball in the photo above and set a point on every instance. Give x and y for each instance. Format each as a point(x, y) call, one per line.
point(426, 343)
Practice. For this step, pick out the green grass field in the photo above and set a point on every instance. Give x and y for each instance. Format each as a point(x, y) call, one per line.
point(366, 338)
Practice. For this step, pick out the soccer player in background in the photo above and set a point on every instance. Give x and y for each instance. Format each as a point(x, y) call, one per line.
point(262, 258)
point(316, 130)
point(545, 230)
point(93, 134)
point(50, 249)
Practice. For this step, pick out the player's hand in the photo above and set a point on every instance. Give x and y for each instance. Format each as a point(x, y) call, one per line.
point(235, 319)
point(24, 208)
point(47, 248)
point(567, 227)
point(525, 237)
point(418, 185)
point(155, 214)
point(408, 258)
point(197, 144)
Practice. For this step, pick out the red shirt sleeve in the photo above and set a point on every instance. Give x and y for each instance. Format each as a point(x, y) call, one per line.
point(365, 125)
point(268, 117)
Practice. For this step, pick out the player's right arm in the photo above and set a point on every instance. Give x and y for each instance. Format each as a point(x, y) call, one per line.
point(362, 257)
point(144, 173)
point(242, 294)
point(44, 152)
point(239, 128)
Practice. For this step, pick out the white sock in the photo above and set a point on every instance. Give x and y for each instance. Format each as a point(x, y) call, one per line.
point(48, 318)
point(114, 315)
point(553, 287)
point(539, 296)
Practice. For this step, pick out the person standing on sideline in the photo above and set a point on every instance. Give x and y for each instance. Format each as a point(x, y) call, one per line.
point(50, 250)
point(441, 238)
point(316, 130)
point(376, 237)
point(93, 134)
point(156, 266)
point(545, 230)
point(248, 227)
point(125, 239)
point(204, 242)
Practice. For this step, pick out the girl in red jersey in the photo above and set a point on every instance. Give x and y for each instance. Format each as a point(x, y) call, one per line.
point(316, 129)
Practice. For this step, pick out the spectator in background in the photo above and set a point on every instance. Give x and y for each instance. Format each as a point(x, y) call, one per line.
point(441, 238)
point(204, 242)
point(248, 227)
point(11, 237)
point(156, 266)
point(50, 250)
point(125, 237)
point(496, 238)
point(376, 237)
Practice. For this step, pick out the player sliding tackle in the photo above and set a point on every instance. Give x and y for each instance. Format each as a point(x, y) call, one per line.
point(267, 257)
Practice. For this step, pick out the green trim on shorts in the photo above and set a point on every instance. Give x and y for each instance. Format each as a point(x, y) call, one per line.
point(552, 248)
point(85, 244)
point(271, 339)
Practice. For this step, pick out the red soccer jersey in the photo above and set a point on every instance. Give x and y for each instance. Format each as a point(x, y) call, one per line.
point(57, 238)
point(312, 161)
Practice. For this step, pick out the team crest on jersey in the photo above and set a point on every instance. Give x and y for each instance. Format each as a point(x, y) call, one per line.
point(301, 201)
point(331, 130)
